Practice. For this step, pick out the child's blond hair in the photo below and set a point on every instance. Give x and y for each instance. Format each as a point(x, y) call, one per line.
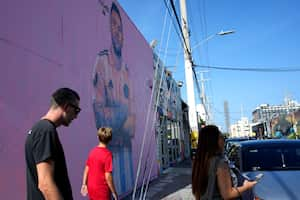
point(104, 134)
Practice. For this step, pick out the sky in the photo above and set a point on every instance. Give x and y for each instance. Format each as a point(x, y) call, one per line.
point(267, 35)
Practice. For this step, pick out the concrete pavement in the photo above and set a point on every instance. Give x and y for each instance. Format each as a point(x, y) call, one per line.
point(173, 184)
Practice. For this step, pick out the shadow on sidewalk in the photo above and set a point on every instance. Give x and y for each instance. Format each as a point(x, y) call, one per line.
point(173, 182)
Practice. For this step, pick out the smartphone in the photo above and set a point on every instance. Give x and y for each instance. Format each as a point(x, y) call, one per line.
point(258, 177)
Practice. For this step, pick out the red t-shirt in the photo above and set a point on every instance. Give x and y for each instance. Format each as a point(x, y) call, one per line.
point(99, 162)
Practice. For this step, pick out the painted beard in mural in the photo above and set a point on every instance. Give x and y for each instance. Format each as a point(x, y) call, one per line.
point(111, 103)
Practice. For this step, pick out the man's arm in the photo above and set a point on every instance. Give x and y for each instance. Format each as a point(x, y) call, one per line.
point(46, 183)
point(111, 185)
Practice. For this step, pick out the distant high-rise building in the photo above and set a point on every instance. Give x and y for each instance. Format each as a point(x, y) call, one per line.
point(227, 119)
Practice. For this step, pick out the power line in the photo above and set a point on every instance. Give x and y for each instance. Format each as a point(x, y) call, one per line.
point(168, 9)
point(180, 35)
point(180, 28)
point(201, 8)
point(251, 69)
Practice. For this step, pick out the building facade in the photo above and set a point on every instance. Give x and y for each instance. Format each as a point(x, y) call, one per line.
point(241, 128)
point(201, 113)
point(172, 132)
point(265, 115)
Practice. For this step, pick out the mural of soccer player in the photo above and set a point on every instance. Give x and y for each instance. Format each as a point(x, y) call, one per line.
point(112, 102)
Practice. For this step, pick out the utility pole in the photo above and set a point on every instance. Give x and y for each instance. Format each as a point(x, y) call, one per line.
point(189, 74)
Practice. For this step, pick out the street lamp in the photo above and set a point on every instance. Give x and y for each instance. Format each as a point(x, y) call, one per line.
point(226, 32)
point(202, 95)
point(221, 33)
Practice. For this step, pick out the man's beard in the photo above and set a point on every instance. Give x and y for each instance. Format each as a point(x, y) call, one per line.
point(66, 122)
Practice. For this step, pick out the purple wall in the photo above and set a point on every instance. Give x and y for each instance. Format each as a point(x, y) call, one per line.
point(45, 45)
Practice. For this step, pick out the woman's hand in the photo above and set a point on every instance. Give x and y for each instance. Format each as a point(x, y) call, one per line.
point(249, 184)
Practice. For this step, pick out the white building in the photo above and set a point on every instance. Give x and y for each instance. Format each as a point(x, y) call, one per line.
point(201, 113)
point(241, 128)
point(265, 112)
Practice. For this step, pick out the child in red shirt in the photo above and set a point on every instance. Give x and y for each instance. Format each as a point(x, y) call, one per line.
point(97, 179)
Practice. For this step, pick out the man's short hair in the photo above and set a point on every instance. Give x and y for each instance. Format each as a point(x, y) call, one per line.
point(104, 134)
point(63, 96)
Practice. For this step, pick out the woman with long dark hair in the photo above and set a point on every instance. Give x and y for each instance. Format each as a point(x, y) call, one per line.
point(211, 175)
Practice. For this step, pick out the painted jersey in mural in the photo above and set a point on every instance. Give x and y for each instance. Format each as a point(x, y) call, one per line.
point(112, 102)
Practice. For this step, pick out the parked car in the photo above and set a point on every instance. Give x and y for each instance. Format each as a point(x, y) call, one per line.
point(230, 141)
point(279, 162)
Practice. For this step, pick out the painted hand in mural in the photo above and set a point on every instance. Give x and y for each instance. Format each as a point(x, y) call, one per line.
point(129, 125)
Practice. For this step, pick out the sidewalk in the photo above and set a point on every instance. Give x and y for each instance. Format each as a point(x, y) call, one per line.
point(172, 184)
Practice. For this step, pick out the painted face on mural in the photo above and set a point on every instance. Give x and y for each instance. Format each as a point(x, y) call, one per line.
point(116, 32)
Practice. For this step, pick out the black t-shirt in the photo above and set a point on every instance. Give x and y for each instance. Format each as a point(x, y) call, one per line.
point(43, 143)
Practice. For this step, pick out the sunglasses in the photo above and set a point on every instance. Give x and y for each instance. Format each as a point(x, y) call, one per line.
point(76, 108)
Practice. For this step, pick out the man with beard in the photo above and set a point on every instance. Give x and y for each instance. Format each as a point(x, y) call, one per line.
point(46, 170)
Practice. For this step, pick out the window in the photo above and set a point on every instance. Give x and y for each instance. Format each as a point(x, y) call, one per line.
point(233, 155)
point(292, 157)
point(262, 158)
point(271, 158)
